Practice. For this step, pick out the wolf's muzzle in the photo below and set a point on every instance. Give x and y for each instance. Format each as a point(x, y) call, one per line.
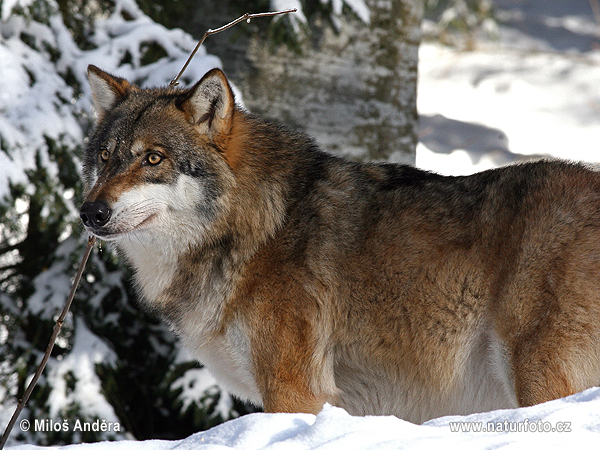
point(95, 215)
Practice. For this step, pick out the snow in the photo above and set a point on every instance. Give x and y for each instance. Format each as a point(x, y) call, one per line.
point(533, 92)
point(334, 429)
point(545, 103)
point(297, 19)
point(23, 73)
point(357, 6)
point(283, 5)
point(8, 5)
point(88, 350)
point(196, 383)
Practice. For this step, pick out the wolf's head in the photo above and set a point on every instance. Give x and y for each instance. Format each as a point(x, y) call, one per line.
point(160, 160)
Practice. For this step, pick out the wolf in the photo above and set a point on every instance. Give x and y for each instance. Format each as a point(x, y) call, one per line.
point(299, 278)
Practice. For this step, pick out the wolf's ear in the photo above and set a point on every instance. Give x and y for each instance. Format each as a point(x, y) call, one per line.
point(107, 90)
point(210, 103)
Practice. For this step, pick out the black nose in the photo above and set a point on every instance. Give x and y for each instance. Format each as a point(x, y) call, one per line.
point(94, 214)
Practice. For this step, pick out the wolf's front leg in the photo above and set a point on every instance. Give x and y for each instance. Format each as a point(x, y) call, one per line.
point(291, 397)
point(293, 374)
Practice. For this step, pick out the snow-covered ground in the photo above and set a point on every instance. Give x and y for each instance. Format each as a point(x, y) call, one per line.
point(578, 418)
point(533, 91)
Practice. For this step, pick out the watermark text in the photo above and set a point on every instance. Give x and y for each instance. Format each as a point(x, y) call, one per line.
point(507, 426)
point(50, 425)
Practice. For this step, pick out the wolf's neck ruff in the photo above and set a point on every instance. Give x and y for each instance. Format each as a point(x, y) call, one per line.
point(299, 278)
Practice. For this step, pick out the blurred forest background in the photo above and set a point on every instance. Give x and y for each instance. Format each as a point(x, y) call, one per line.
point(343, 70)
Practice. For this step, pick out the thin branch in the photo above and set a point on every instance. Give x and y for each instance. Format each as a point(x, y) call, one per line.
point(59, 322)
point(247, 17)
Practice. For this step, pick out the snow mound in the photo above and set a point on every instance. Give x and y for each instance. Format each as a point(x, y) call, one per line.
point(572, 422)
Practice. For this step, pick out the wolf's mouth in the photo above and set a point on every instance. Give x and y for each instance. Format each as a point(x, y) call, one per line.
point(148, 219)
point(113, 232)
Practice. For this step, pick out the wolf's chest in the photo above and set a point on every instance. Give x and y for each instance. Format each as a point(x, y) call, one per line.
point(155, 267)
point(228, 358)
point(195, 310)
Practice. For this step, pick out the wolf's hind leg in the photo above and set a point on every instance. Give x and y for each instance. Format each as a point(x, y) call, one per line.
point(555, 361)
point(539, 377)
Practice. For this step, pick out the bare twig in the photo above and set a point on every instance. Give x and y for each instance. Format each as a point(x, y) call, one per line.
point(247, 17)
point(59, 322)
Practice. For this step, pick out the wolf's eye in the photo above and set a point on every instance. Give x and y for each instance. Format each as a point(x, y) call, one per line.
point(153, 158)
point(105, 155)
